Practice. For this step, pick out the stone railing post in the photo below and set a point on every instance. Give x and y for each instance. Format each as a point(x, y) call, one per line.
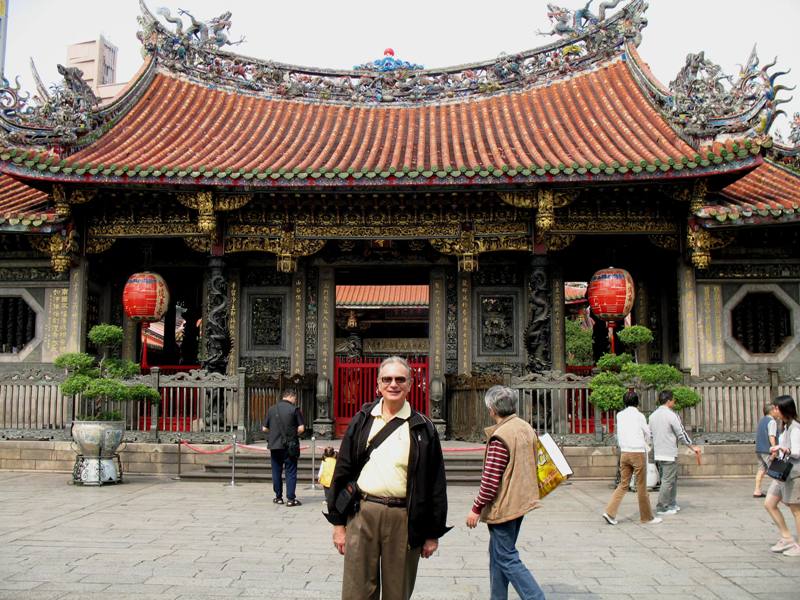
point(774, 382)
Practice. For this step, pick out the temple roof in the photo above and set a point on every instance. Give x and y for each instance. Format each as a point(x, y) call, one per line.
point(582, 109)
point(23, 208)
point(377, 296)
point(596, 125)
point(768, 194)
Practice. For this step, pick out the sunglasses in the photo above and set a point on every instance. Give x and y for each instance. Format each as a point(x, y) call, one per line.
point(385, 380)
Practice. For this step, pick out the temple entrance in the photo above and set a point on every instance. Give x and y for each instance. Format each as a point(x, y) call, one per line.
point(378, 315)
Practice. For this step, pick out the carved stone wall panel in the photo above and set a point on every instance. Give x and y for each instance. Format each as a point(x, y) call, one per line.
point(497, 325)
point(265, 365)
point(32, 274)
point(787, 270)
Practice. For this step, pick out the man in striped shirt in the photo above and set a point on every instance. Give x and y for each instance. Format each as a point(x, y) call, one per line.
point(509, 490)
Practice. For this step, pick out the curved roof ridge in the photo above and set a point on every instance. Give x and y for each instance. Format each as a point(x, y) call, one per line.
point(196, 53)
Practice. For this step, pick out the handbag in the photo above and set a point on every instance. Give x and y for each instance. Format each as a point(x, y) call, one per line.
point(780, 469)
point(348, 496)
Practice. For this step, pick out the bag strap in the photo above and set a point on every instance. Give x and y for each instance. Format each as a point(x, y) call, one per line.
point(381, 436)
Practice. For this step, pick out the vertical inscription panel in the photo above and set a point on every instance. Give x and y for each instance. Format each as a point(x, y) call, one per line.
point(56, 302)
point(464, 323)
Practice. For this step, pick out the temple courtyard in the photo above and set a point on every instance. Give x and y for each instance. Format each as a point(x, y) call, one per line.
point(160, 539)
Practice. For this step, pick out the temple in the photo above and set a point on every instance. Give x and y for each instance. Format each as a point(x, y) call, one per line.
point(309, 222)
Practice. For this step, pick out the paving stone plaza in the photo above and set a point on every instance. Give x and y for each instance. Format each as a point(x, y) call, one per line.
point(160, 539)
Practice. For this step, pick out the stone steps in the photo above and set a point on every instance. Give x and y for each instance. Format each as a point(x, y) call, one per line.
point(460, 470)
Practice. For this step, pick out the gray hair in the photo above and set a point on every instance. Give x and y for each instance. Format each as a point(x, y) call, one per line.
point(502, 400)
point(396, 360)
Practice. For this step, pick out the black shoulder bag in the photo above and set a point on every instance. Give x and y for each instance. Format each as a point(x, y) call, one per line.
point(290, 442)
point(349, 494)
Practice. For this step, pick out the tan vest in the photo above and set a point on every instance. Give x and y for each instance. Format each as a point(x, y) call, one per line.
point(519, 487)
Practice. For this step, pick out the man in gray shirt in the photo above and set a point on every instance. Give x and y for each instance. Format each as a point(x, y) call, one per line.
point(667, 429)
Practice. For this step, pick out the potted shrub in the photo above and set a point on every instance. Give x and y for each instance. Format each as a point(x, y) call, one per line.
point(104, 389)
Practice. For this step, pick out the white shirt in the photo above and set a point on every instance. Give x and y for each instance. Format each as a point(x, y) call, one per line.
point(633, 434)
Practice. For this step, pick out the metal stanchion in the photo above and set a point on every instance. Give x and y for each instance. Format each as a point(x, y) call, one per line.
point(313, 485)
point(179, 457)
point(233, 464)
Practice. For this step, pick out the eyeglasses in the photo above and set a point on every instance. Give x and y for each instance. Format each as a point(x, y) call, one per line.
point(385, 380)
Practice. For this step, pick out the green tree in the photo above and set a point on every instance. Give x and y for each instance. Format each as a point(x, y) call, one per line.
point(619, 373)
point(103, 379)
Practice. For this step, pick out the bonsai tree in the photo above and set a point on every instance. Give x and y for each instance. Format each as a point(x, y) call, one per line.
point(620, 372)
point(103, 380)
point(578, 343)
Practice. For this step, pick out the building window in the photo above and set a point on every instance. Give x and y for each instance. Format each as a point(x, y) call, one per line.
point(761, 323)
point(497, 325)
point(17, 324)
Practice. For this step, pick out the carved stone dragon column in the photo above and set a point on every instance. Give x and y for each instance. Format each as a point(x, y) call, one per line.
point(538, 333)
point(216, 323)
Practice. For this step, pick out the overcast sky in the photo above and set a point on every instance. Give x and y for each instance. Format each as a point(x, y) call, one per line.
point(435, 33)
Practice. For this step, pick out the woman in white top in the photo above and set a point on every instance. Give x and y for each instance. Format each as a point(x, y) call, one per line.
point(787, 491)
point(633, 435)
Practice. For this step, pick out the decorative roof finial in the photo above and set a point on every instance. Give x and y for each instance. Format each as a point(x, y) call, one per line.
point(388, 63)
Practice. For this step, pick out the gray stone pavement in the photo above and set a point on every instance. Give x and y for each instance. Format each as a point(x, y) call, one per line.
point(159, 539)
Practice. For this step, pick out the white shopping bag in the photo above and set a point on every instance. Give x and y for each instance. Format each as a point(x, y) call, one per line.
point(651, 480)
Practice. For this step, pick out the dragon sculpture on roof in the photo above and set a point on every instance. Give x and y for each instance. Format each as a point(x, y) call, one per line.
point(706, 102)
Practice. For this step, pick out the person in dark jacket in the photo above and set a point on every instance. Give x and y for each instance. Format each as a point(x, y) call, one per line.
point(284, 422)
point(402, 508)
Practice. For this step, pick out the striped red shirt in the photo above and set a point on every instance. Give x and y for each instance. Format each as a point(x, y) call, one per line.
point(493, 469)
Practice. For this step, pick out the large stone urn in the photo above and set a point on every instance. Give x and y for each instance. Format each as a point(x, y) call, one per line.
point(98, 462)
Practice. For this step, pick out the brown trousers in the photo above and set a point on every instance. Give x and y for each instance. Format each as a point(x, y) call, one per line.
point(378, 534)
point(632, 463)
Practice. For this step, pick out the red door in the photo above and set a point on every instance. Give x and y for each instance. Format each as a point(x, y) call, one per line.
point(355, 382)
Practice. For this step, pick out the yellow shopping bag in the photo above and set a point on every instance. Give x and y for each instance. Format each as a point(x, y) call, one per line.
point(552, 467)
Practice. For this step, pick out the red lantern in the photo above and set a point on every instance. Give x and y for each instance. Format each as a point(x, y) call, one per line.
point(611, 295)
point(145, 297)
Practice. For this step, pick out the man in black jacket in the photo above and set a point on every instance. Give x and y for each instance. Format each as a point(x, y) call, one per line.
point(402, 507)
point(284, 422)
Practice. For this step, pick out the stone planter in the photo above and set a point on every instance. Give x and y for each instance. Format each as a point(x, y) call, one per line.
point(97, 463)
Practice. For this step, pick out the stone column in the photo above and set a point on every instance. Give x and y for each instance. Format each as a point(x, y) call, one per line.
point(323, 426)
point(437, 311)
point(298, 323)
point(216, 322)
point(687, 300)
point(130, 330)
point(78, 290)
point(641, 310)
point(538, 333)
point(465, 324)
point(559, 334)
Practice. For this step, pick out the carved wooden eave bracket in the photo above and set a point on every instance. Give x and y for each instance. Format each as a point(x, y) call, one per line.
point(286, 247)
point(701, 242)
point(694, 194)
point(62, 248)
point(207, 204)
point(545, 202)
point(469, 245)
point(65, 198)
